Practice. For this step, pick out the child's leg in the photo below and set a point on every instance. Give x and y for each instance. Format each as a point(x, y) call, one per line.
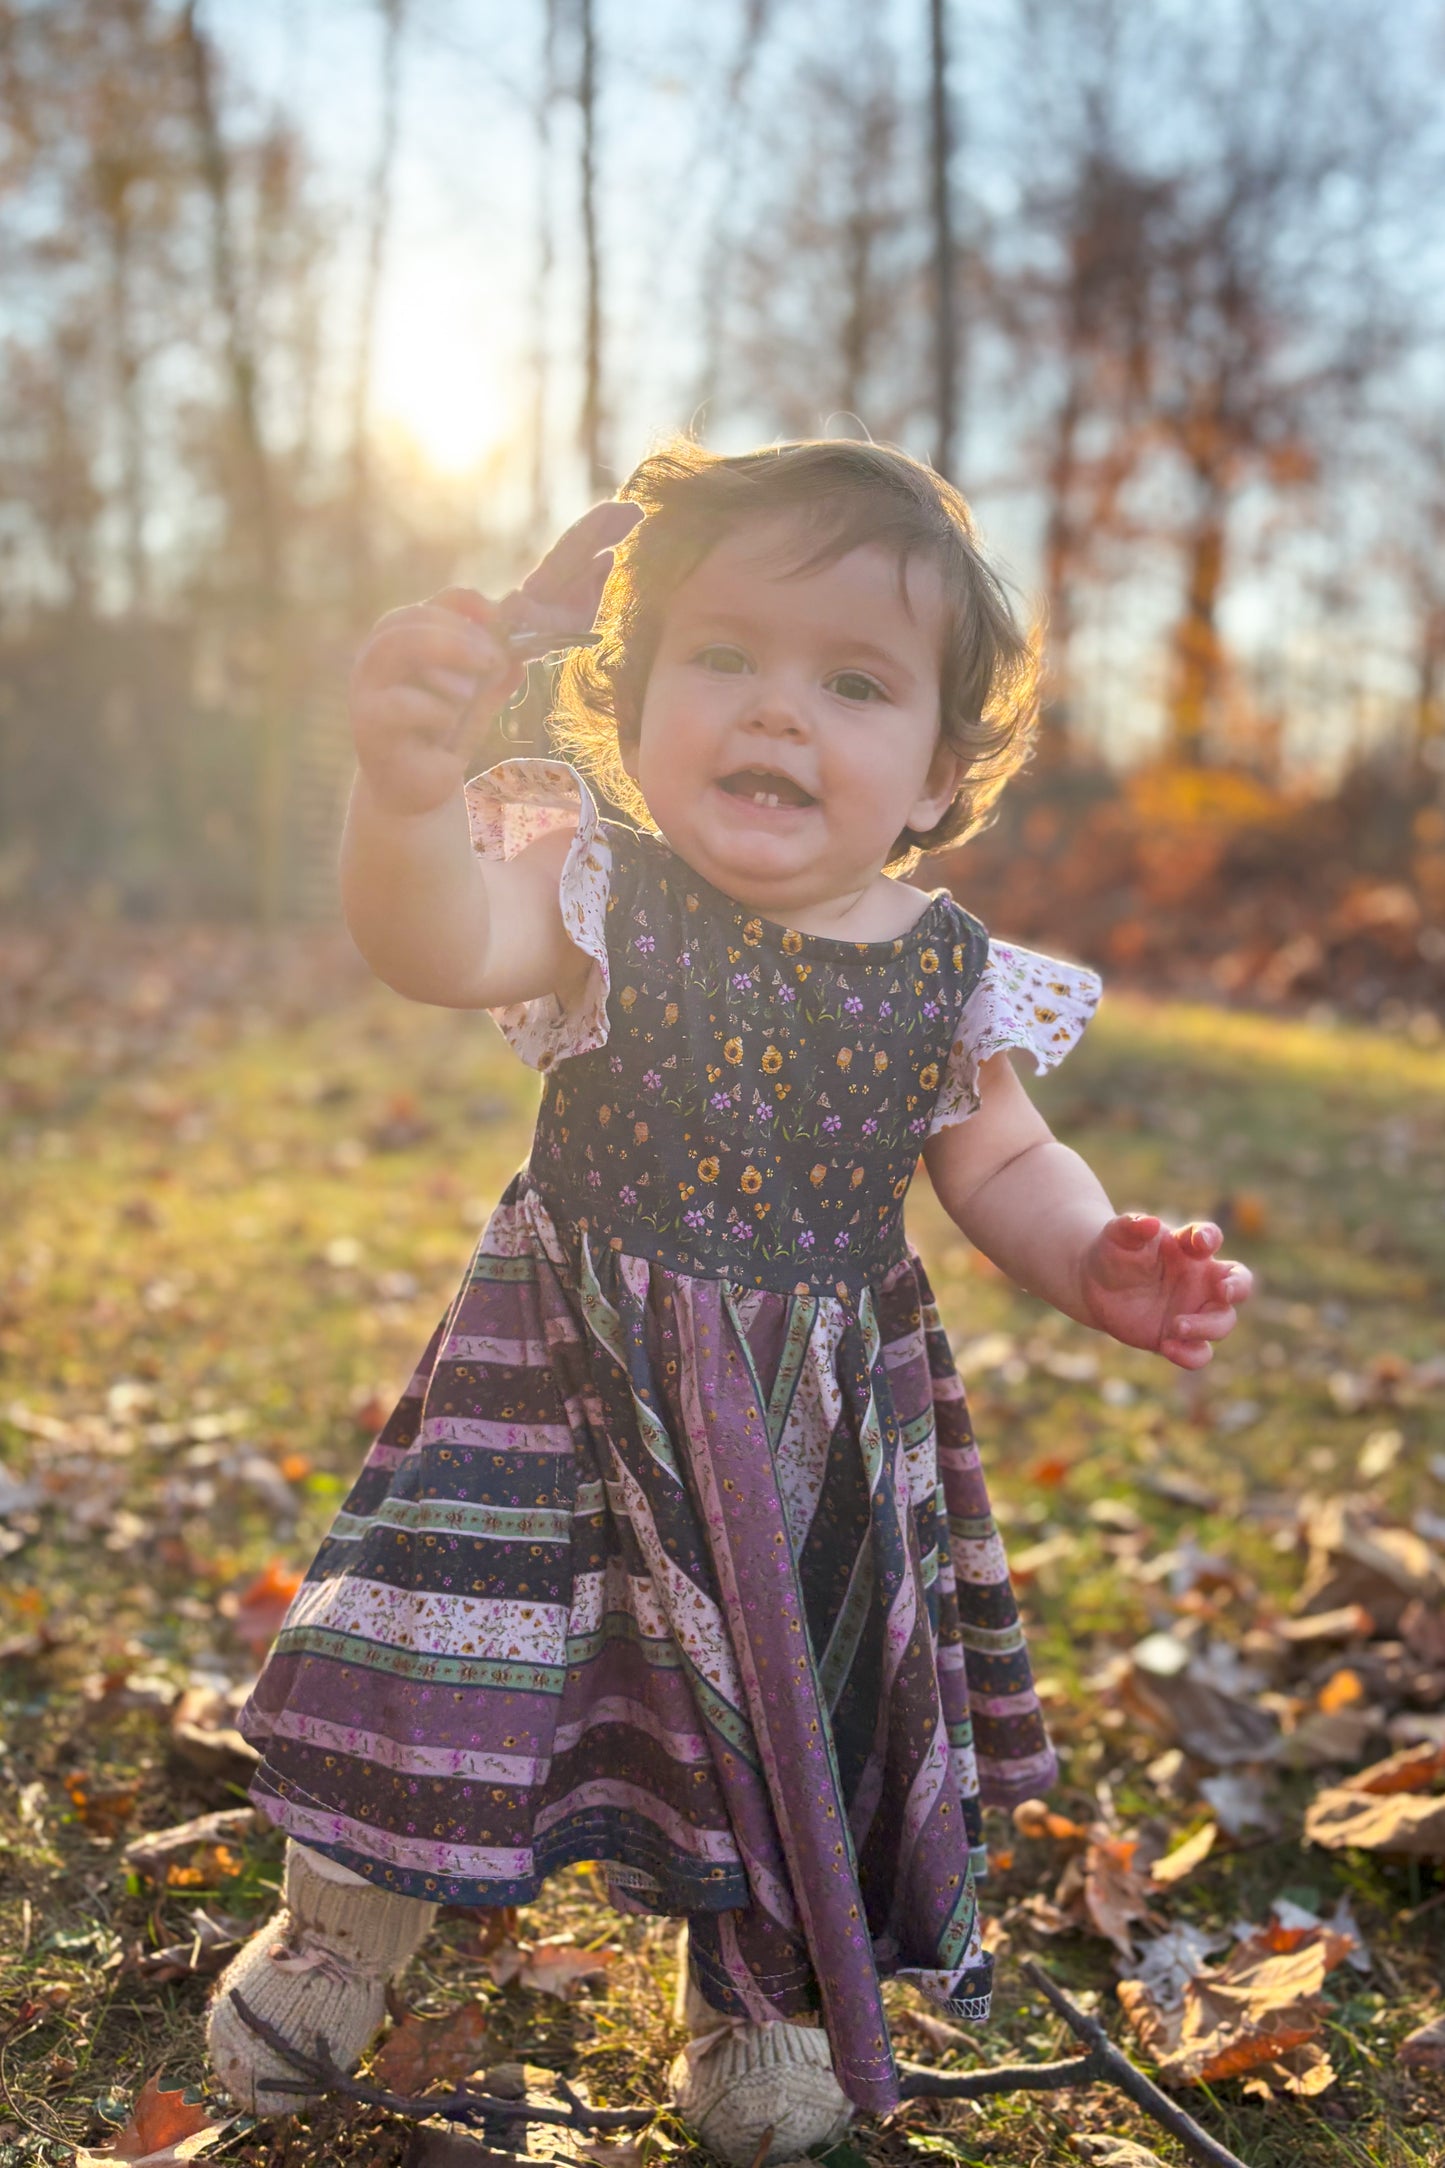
point(743, 2075)
point(319, 1967)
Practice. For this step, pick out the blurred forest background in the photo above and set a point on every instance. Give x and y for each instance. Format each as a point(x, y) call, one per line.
point(308, 310)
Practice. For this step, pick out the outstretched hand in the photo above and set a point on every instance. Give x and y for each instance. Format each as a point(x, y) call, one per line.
point(1163, 1288)
point(431, 672)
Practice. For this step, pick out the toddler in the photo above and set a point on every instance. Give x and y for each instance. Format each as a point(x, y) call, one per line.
point(675, 1554)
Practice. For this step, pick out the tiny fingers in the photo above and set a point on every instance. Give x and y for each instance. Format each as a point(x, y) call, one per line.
point(1201, 1238)
point(1202, 1325)
point(1133, 1230)
point(1187, 1354)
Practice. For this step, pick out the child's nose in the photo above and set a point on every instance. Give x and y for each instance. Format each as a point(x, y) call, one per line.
point(778, 709)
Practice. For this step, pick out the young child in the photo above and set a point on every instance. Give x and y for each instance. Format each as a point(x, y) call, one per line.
point(676, 1554)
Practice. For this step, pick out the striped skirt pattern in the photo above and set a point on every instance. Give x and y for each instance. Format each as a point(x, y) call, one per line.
point(697, 1583)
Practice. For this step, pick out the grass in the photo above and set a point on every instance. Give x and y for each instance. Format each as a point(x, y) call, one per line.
point(248, 1225)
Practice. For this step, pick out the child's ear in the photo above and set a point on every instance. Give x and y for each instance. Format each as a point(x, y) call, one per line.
point(946, 772)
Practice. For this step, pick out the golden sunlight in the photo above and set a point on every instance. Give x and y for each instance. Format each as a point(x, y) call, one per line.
point(437, 382)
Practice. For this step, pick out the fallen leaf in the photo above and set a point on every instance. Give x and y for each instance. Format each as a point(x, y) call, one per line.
point(605, 2155)
point(1105, 2152)
point(1414, 1769)
point(207, 1865)
point(1174, 1958)
point(213, 1938)
point(1240, 1802)
point(1350, 1622)
point(259, 1609)
point(1424, 2048)
point(204, 1736)
point(424, 2050)
point(556, 1968)
point(149, 1854)
point(102, 1809)
point(1256, 2010)
point(1214, 1726)
point(1033, 1818)
point(1115, 1893)
point(1344, 1689)
point(1185, 1857)
point(1356, 1560)
point(167, 2124)
point(1343, 1818)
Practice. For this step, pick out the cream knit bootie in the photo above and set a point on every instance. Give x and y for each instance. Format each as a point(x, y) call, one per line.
point(735, 2081)
point(320, 1966)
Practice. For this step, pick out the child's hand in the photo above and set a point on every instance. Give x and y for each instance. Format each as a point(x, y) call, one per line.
point(1163, 1288)
point(429, 673)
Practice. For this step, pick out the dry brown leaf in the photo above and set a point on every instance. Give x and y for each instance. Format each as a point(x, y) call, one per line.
point(607, 2155)
point(1345, 1819)
point(1115, 1892)
point(213, 1937)
point(1305, 2071)
point(1213, 1726)
point(1414, 1769)
point(167, 2124)
point(1258, 2008)
point(1185, 1857)
point(558, 1968)
point(423, 2050)
point(1106, 2152)
point(1033, 1818)
point(1424, 2048)
point(102, 1809)
point(150, 1854)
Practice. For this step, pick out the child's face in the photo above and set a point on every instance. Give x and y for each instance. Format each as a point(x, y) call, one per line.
point(789, 730)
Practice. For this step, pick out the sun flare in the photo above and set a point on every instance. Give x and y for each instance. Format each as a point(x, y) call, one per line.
point(437, 385)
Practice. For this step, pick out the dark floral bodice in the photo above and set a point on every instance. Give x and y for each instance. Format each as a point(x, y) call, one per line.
point(757, 1109)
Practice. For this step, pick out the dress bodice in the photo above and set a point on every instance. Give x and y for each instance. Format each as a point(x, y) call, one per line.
point(757, 1107)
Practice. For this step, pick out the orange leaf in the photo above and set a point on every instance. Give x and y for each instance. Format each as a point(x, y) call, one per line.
point(102, 1809)
point(1344, 1690)
point(1413, 1769)
point(167, 2124)
point(423, 2050)
point(1115, 1893)
point(556, 1968)
point(1051, 1471)
point(261, 1607)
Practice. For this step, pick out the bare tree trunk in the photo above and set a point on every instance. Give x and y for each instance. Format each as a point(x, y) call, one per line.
point(1061, 550)
point(260, 508)
point(378, 220)
point(715, 293)
point(542, 277)
point(598, 478)
point(132, 427)
point(1196, 662)
point(945, 300)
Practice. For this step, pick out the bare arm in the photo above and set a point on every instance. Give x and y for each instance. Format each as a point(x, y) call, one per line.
point(1041, 1214)
point(440, 924)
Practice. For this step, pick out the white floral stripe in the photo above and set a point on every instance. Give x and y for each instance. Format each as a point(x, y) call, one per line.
point(1025, 1000)
point(434, 1625)
point(509, 807)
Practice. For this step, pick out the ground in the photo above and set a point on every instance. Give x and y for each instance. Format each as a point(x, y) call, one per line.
point(225, 1236)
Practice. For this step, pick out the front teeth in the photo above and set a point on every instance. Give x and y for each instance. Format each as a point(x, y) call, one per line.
point(765, 797)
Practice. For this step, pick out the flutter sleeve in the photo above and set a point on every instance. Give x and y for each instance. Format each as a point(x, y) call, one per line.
point(1024, 1000)
point(509, 806)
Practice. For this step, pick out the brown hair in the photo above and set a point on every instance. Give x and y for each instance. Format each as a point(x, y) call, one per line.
point(841, 495)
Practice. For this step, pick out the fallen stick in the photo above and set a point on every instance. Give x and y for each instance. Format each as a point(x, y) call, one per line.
point(1101, 2065)
point(319, 2071)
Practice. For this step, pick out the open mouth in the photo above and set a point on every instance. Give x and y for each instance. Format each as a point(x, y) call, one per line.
point(757, 787)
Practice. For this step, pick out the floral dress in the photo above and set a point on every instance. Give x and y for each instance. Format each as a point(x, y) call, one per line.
point(675, 1554)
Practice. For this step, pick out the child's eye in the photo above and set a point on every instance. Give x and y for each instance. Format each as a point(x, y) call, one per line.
point(854, 685)
point(726, 661)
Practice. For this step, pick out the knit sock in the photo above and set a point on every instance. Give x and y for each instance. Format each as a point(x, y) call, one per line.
point(738, 2079)
point(318, 1969)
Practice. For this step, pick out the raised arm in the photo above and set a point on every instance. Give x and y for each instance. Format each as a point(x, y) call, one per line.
point(432, 918)
point(1041, 1214)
